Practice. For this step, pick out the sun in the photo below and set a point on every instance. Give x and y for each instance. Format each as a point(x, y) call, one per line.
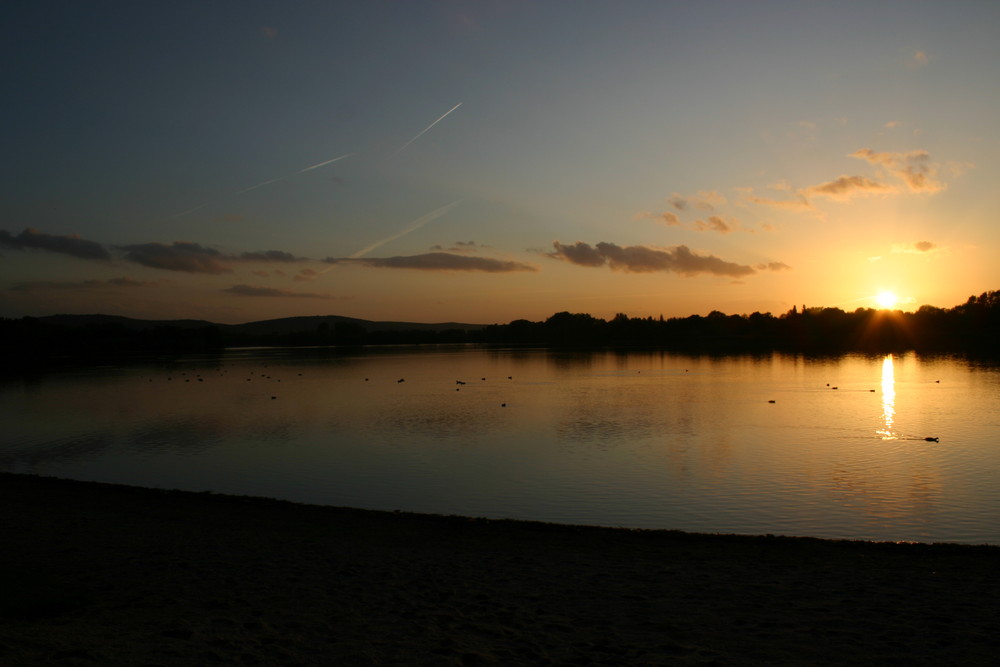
point(886, 299)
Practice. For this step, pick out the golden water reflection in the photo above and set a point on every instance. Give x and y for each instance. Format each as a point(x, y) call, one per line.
point(888, 399)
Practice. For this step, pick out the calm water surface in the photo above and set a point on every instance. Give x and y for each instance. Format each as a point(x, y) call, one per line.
point(783, 444)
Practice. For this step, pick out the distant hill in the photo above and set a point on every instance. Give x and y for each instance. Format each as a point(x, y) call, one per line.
point(280, 326)
point(287, 325)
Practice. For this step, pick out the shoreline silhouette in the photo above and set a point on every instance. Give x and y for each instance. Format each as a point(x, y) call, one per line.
point(116, 575)
point(972, 326)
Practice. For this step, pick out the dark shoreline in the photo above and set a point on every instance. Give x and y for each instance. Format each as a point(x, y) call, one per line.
point(114, 575)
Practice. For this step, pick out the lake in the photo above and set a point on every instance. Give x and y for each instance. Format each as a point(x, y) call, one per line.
point(788, 444)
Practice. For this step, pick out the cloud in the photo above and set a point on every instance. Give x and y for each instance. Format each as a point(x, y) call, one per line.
point(196, 258)
point(668, 218)
point(800, 203)
point(644, 259)
point(71, 245)
point(250, 290)
point(80, 284)
point(305, 275)
point(773, 266)
point(704, 200)
point(716, 223)
point(180, 256)
point(580, 253)
point(460, 246)
point(270, 256)
point(914, 168)
point(845, 188)
point(918, 248)
point(437, 261)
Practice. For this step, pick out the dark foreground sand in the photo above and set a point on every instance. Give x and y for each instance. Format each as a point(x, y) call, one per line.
point(93, 574)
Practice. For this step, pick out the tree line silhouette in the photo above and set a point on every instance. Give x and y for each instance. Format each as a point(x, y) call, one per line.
point(971, 326)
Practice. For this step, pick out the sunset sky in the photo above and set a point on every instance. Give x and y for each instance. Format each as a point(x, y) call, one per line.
point(489, 161)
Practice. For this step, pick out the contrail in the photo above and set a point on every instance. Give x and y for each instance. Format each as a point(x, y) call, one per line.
point(413, 226)
point(260, 185)
point(323, 164)
point(268, 182)
point(300, 171)
point(190, 210)
point(403, 147)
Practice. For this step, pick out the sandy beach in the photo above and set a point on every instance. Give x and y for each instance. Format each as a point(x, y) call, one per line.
point(96, 574)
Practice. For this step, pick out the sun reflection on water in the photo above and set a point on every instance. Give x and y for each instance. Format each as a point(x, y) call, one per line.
point(888, 399)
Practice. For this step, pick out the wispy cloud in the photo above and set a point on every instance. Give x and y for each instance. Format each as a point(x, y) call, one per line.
point(251, 290)
point(703, 200)
point(914, 168)
point(645, 259)
point(713, 223)
point(461, 247)
point(72, 244)
point(799, 203)
point(438, 261)
point(669, 218)
point(845, 188)
point(773, 266)
point(305, 275)
point(716, 223)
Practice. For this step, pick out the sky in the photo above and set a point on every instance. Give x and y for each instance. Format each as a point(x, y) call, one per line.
point(483, 162)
